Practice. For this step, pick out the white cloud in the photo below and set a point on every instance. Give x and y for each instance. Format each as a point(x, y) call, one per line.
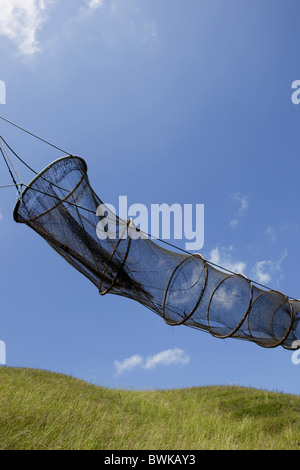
point(1, 216)
point(263, 271)
point(128, 364)
point(166, 358)
point(270, 231)
point(21, 20)
point(226, 298)
point(94, 4)
point(174, 356)
point(223, 257)
point(243, 202)
point(234, 223)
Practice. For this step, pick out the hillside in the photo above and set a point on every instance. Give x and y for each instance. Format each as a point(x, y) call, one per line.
point(44, 410)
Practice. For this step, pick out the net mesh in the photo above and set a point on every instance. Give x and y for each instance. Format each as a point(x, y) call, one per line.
point(60, 205)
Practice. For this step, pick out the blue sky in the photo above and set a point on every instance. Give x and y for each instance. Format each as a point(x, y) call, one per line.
point(168, 102)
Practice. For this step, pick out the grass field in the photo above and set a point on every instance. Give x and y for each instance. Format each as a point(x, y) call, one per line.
point(44, 410)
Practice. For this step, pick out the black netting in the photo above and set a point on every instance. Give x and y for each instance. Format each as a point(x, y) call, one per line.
point(60, 205)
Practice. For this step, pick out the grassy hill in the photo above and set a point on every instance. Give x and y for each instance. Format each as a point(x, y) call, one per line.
point(44, 410)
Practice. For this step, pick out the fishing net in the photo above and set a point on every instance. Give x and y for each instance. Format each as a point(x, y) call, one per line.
point(60, 205)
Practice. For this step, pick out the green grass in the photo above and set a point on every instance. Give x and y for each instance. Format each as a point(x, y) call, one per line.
point(44, 410)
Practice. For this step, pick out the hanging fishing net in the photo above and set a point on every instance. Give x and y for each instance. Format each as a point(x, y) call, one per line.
point(60, 205)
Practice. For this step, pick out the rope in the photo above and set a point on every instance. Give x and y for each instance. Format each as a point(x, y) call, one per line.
point(3, 150)
point(10, 172)
point(7, 186)
point(19, 158)
point(29, 167)
point(34, 135)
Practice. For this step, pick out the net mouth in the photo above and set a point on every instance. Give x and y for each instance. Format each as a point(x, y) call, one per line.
point(16, 214)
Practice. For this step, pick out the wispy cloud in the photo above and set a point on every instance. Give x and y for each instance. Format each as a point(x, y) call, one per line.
point(270, 232)
point(243, 204)
point(20, 21)
point(223, 257)
point(234, 223)
point(95, 4)
point(128, 364)
point(262, 271)
point(227, 298)
point(119, 21)
point(166, 358)
point(265, 270)
point(169, 357)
